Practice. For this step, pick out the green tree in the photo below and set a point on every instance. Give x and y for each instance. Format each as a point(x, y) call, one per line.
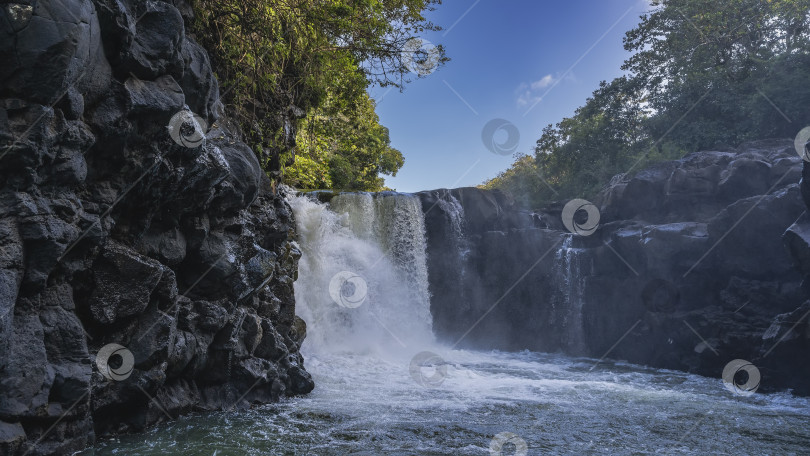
point(581, 152)
point(702, 72)
point(280, 61)
point(343, 149)
point(522, 180)
point(727, 63)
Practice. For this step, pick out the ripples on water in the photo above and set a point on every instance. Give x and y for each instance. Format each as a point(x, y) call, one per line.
point(365, 405)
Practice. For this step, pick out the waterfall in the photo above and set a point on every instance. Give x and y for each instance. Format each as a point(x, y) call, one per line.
point(567, 305)
point(452, 207)
point(363, 283)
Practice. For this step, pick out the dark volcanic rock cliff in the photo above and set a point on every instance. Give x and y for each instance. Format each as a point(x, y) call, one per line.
point(695, 263)
point(122, 225)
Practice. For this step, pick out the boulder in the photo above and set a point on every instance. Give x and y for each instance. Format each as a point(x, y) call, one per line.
point(47, 46)
point(124, 281)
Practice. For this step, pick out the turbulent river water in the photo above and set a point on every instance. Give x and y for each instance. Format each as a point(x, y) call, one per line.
point(385, 386)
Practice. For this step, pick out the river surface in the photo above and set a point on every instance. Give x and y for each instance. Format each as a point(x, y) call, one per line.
point(365, 405)
point(384, 386)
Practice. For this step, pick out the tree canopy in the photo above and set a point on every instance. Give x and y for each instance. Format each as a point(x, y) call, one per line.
point(702, 73)
point(300, 69)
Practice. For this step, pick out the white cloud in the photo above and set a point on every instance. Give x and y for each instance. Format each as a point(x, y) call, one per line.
point(546, 81)
point(527, 92)
point(526, 98)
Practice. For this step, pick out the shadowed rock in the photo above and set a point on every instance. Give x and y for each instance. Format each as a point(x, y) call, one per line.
point(688, 270)
point(113, 233)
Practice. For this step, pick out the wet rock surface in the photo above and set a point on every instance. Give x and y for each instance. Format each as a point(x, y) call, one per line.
point(113, 231)
point(695, 263)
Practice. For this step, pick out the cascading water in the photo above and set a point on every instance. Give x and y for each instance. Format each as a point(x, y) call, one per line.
point(451, 206)
point(567, 313)
point(363, 282)
point(362, 289)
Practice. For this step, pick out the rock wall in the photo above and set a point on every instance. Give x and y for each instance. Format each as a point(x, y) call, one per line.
point(694, 263)
point(146, 261)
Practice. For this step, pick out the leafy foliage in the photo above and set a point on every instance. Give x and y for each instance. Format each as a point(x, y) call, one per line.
point(522, 180)
point(702, 73)
point(285, 64)
point(343, 150)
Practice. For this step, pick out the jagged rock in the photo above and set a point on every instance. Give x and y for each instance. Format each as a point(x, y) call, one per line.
point(47, 47)
point(66, 350)
point(201, 91)
point(701, 184)
point(240, 188)
point(72, 104)
point(161, 97)
point(168, 247)
point(12, 437)
point(124, 282)
point(113, 233)
point(300, 380)
point(11, 274)
point(271, 345)
point(46, 236)
point(744, 177)
point(27, 376)
point(643, 193)
point(142, 38)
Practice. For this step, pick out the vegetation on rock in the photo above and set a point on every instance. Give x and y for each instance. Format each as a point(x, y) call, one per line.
point(296, 71)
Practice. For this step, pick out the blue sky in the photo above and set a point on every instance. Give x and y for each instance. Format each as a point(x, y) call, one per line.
point(507, 56)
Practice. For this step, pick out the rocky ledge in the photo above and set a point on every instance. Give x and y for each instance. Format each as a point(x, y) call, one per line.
point(694, 263)
point(146, 261)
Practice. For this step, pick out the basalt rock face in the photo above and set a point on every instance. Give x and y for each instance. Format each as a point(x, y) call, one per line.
point(117, 229)
point(695, 263)
point(478, 246)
